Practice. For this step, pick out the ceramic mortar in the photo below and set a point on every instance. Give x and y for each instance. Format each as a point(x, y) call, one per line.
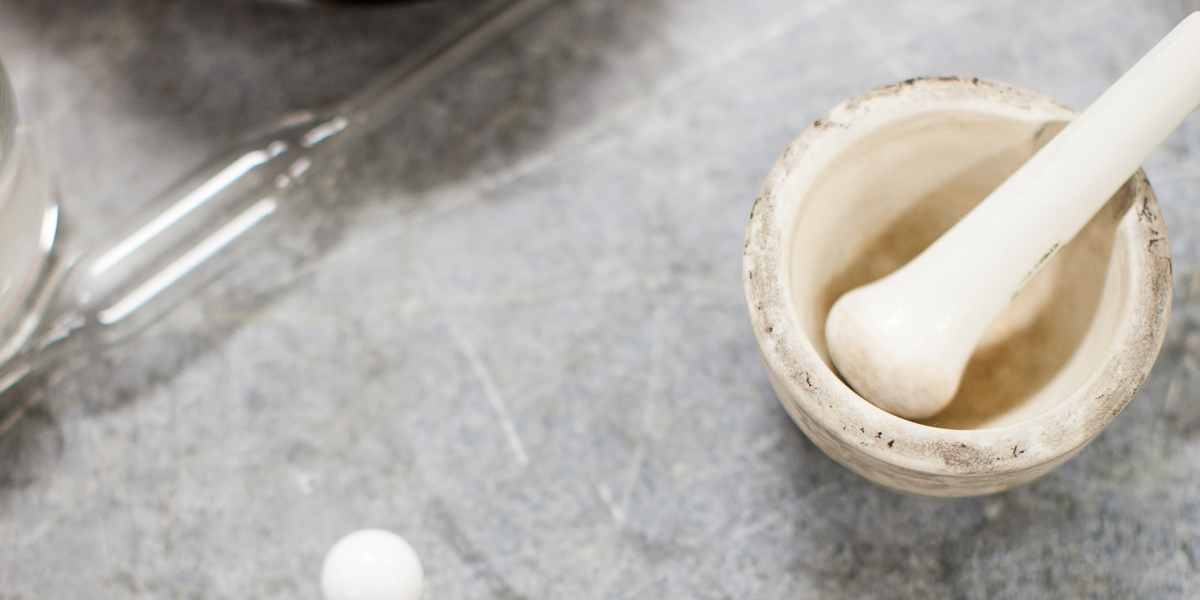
point(870, 185)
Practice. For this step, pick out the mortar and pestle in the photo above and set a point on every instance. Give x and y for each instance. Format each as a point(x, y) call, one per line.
point(978, 262)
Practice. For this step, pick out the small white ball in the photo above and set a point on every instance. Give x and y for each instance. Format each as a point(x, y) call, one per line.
point(372, 564)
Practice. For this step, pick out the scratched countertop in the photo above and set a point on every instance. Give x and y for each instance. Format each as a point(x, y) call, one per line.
point(513, 328)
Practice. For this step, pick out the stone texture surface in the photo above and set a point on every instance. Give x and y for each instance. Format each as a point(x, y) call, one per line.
point(513, 329)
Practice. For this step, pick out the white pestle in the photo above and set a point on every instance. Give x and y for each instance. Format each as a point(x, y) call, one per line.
point(903, 341)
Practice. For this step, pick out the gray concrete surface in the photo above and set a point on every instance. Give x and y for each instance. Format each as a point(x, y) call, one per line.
point(514, 331)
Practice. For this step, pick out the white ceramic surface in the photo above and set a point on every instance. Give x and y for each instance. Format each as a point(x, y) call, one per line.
point(864, 190)
point(372, 564)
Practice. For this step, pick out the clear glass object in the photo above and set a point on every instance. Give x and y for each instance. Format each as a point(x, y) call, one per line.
point(28, 229)
point(53, 305)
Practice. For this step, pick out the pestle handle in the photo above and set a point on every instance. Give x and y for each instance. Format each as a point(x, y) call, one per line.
point(903, 342)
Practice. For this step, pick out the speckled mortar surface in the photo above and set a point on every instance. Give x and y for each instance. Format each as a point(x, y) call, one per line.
point(1100, 370)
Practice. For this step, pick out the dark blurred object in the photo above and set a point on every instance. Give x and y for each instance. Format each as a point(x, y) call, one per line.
point(355, 2)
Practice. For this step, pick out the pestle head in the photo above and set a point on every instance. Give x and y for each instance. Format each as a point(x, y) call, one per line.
point(892, 361)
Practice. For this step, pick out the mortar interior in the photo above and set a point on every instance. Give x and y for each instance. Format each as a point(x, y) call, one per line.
point(887, 197)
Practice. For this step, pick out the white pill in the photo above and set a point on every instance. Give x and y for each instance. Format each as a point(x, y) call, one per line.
point(372, 564)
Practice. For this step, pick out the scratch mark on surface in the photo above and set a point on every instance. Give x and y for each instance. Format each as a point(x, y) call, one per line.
point(444, 521)
point(977, 584)
point(481, 371)
point(619, 508)
point(1190, 367)
point(1173, 391)
point(635, 469)
point(618, 515)
point(743, 532)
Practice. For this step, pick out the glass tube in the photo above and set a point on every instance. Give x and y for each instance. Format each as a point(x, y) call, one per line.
point(29, 265)
point(114, 291)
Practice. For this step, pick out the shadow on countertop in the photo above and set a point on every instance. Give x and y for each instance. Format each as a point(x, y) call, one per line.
point(209, 71)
